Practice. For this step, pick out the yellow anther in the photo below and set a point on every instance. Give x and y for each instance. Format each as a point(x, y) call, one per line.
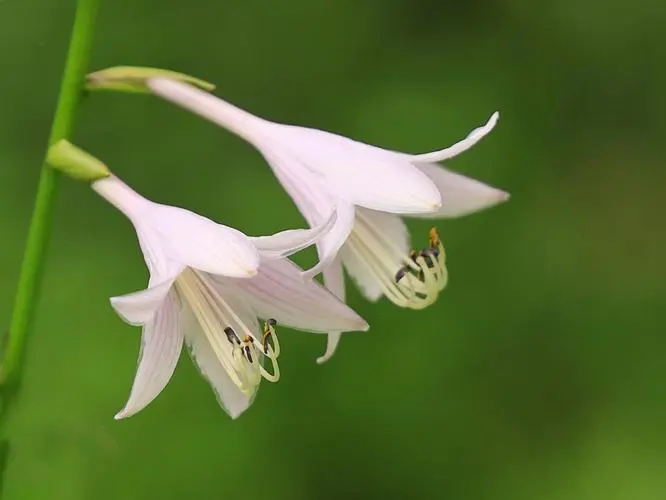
point(433, 240)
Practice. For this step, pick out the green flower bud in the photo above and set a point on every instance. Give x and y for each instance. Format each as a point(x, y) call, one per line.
point(75, 162)
point(132, 79)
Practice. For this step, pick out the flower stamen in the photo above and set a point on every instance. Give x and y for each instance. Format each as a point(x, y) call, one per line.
point(241, 359)
point(412, 279)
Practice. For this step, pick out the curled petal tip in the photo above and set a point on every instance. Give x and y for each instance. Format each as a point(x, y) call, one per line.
point(122, 414)
point(323, 359)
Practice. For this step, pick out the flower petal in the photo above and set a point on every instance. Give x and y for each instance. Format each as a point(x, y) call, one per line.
point(315, 204)
point(138, 308)
point(391, 232)
point(228, 395)
point(123, 197)
point(334, 279)
point(200, 243)
point(278, 291)
point(364, 175)
point(461, 195)
point(289, 242)
point(161, 343)
point(460, 147)
point(210, 107)
point(331, 242)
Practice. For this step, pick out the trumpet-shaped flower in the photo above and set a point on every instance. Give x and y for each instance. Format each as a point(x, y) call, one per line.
point(370, 188)
point(208, 286)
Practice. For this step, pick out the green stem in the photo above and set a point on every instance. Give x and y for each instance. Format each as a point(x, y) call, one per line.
point(63, 124)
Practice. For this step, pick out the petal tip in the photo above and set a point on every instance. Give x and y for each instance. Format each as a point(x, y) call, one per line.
point(323, 359)
point(121, 415)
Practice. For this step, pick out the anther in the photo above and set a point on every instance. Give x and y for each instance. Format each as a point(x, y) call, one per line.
point(231, 336)
point(247, 352)
point(433, 238)
point(268, 332)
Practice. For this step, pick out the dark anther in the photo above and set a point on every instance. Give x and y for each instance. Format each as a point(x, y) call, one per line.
point(231, 336)
point(267, 333)
point(247, 353)
point(428, 256)
point(401, 273)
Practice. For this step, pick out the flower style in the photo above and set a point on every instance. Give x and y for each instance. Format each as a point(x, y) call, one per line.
point(369, 188)
point(208, 285)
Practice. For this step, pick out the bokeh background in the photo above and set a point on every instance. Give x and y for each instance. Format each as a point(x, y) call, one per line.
point(539, 374)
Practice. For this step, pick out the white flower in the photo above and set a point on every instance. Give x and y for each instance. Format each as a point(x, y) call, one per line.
point(208, 285)
point(368, 187)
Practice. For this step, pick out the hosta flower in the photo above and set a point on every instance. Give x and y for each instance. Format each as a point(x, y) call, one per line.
point(369, 187)
point(208, 286)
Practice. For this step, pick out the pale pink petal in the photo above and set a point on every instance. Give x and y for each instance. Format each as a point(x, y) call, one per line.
point(461, 195)
point(364, 175)
point(460, 147)
point(139, 308)
point(390, 235)
point(212, 108)
point(161, 343)
point(335, 281)
point(316, 205)
point(279, 292)
point(288, 242)
point(200, 243)
point(228, 395)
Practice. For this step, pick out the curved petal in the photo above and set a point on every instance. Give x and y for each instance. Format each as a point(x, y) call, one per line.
point(289, 242)
point(391, 232)
point(334, 279)
point(161, 343)
point(461, 195)
point(123, 197)
point(138, 308)
point(279, 292)
point(200, 243)
point(210, 107)
point(316, 204)
point(460, 147)
point(228, 395)
point(364, 175)
point(331, 242)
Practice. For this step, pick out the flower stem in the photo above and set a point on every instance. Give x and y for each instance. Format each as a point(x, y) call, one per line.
point(30, 277)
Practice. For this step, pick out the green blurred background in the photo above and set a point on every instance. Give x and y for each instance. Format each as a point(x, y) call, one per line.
point(538, 374)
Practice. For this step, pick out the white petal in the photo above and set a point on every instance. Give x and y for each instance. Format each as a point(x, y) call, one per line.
point(161, 343)
point(329, 245)
point(229, 396)
point(387, 226)
point(139, 308)
point(460, 147)
point(279, 292)
point(315, 204)
point(214, 109)
point(172, 235)
point(460, 195)
point(200, 243)
point(121, 196)
point(288, 242)
point(334, 279)
point(362, 174)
